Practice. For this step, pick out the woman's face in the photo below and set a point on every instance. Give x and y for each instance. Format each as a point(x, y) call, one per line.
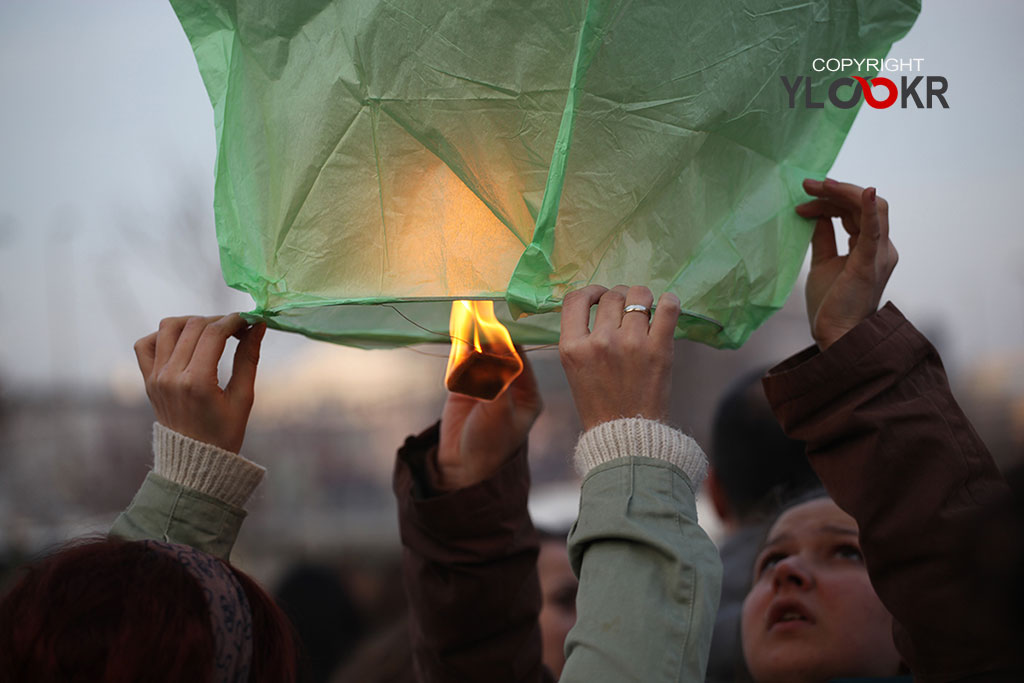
point(812, 614)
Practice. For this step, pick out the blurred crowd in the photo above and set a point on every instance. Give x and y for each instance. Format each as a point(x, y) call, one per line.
point(865, 530)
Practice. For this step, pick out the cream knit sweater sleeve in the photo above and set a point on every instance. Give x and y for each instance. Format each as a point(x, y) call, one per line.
point(204, 467)
point(637, 436)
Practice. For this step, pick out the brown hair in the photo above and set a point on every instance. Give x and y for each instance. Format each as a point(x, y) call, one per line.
point(113, 611)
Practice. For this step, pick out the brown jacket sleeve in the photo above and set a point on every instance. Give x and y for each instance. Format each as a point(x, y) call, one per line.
point(470, 570)
point(896, 452)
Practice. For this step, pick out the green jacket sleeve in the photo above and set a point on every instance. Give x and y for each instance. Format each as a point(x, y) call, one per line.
point(167, 511)
point(650, 578)
point(193, 496)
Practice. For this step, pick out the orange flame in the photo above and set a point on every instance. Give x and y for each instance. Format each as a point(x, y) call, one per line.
point(483, 360)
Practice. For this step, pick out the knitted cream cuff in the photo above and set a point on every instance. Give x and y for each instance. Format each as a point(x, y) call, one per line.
point(204, 467)
point(638, 436)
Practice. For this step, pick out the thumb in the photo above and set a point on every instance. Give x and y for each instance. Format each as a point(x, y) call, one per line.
point(823, 241)
point(243, 369)
point(865, 252)
point(523, 391)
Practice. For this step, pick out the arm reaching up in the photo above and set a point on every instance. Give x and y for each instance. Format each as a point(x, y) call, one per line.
point(896, 452)
point(649, 576)
point(478, 437)
point(469, 556)
point(179, 365)
point(844, 290)
point(199, 483)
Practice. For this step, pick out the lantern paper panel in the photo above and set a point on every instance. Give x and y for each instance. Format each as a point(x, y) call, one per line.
point(415, 152)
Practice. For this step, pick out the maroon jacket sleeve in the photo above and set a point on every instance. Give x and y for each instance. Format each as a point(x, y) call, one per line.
point(470, 569)
point(896, 452)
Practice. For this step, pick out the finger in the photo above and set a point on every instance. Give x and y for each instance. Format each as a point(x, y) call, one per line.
point(822, 207)
point(666, 317)
point(526, 378)
point(851, 224)
point(637, 322)
point(167, 338)
point(576, 311)
point(187, 340)
point(211, 344)
point(609, 309)
point(823, 241)
point(812, 186)
point(869, 240)
point(145, 353)
point(524, 389)
point(883, 217)
point(241, 386)
point(846, 195)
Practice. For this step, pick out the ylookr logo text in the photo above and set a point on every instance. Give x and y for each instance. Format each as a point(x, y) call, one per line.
point(845, 91)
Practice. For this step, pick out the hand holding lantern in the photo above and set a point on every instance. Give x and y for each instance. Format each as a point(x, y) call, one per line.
point(622, 367)
point(477, 437)
point(843, 290)
point(179, 364)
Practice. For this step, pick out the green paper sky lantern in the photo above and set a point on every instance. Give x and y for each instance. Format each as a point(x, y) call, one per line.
point(415, 152)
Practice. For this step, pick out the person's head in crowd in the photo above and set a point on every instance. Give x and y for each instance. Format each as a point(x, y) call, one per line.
point(326, 618)
point(558, 586)
point(107, 610)
point(553, 510)
point(812, 613)
point(754, 465)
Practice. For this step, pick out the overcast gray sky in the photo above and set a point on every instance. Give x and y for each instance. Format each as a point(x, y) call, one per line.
point(105, 126)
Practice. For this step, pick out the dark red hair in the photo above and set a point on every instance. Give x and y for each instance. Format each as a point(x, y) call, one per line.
point(113, 611)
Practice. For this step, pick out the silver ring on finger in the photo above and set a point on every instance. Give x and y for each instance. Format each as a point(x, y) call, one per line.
point(637, 308)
